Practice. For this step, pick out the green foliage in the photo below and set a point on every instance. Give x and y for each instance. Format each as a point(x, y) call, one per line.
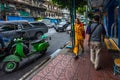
point(67, 3)
point(61, 3)
point(39, 18)
point(81, 9)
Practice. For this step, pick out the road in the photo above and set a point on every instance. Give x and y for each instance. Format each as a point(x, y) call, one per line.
point(57, 41)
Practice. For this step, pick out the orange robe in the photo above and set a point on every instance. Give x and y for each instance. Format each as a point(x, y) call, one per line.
point(79, 37)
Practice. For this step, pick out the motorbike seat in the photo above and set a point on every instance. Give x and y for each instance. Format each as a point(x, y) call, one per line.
point(37, 41)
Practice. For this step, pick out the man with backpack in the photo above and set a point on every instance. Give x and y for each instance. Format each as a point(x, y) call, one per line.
point(95, 35)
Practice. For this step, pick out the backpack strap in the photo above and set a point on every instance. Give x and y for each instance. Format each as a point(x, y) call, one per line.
point(94, 29)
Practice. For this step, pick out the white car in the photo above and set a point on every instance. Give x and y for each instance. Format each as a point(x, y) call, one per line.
point(68, 29)
point(48, 23)
point(61, 26)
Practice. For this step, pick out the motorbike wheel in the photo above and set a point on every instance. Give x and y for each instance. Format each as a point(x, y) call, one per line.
point(10, 66)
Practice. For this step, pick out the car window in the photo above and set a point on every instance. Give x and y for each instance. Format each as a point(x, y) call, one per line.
point(26, 25)
point(35, 24)
point(46, 21)
point(38, 24)
point(62, 22)
point(9, 27)
point(42, 24)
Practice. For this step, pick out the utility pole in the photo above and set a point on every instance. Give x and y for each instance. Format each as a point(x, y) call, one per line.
point(73, 13)
point(73, 16)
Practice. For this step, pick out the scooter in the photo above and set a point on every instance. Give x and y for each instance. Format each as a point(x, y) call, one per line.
point(23, 49)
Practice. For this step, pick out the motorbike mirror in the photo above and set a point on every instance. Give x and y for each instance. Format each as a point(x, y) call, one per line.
point(43, 36)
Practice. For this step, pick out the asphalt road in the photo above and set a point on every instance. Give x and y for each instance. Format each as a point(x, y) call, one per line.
point(57, 41)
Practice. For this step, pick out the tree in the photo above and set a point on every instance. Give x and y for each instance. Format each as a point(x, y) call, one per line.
point(81, 9)
point(67, 4)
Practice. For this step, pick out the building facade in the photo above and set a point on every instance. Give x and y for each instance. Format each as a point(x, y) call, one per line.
point(29, 8)
point(26, 8)
point(52, 10)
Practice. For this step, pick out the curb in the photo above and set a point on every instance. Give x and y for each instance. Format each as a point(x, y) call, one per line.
point(66, 43)
point(32, 72)
point(35, 68)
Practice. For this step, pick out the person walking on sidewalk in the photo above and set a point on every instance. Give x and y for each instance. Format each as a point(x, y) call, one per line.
point(79, 37)
point(95, 35)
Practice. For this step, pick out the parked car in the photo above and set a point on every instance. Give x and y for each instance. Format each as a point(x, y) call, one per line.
point(55, 21)
point(61, 26)
point(48, 23)
point(11, 29)
point(42, 27)
point(68, 29)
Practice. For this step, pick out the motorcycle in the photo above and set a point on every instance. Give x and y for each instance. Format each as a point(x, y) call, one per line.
point(22, 49)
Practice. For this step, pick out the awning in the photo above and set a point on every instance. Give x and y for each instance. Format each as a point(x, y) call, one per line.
point(103, 4)
point(96, 3)
point(107, 4)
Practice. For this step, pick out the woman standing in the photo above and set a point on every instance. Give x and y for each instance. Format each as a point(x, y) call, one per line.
point(79, 37)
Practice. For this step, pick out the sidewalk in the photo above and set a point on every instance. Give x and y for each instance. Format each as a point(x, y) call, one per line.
point(65, 67)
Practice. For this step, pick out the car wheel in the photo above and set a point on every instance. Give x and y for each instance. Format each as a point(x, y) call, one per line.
point(57, 30)
point(38, 35)
point(54, 28)
point(64, 29)
point(10, 66)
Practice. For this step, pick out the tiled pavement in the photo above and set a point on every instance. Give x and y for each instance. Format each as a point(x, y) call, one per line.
point(65, 67)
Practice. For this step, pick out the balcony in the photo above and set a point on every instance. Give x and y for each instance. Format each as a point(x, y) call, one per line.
point(27, 3)
point(55, 10)
point(23, 1)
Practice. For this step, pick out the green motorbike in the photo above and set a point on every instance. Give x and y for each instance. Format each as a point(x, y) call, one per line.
point(23, 49)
